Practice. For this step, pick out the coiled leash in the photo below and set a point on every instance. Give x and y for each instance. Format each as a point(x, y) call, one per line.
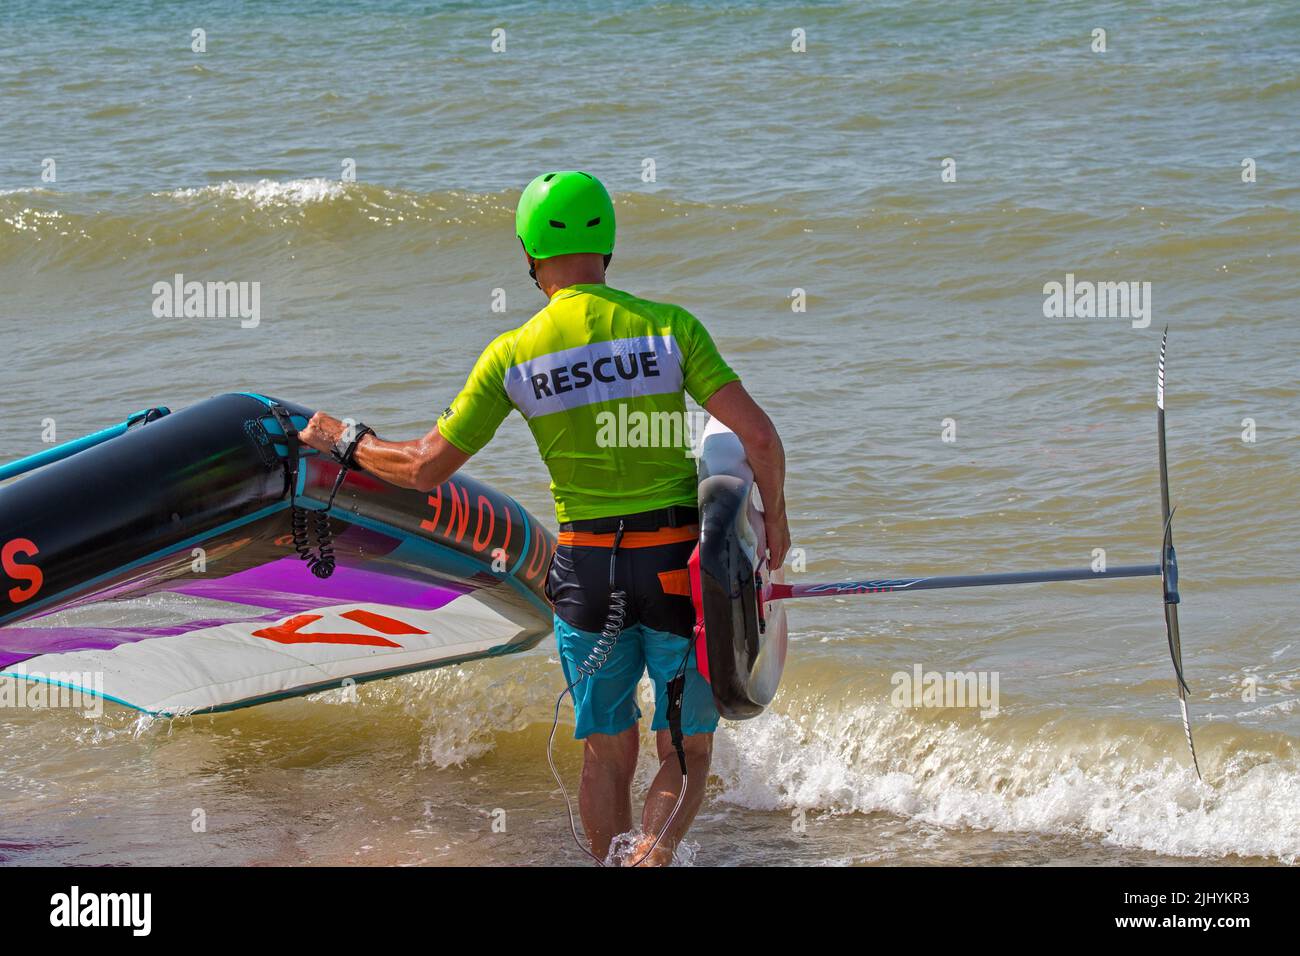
point(594, 661)
point(320, 561)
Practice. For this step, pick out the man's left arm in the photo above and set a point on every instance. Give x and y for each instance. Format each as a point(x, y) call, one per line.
point(422, 464)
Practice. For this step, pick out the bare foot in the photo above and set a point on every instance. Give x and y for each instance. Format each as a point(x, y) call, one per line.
point(661, 856)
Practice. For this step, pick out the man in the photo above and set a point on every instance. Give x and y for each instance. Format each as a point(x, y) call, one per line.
point(627, 513)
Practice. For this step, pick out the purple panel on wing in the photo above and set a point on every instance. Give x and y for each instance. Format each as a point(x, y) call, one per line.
point(21, 643)
point(287, 585)
point(283, 587)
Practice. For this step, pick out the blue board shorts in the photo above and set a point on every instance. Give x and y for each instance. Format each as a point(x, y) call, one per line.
point(605, 703)
point(658, 633)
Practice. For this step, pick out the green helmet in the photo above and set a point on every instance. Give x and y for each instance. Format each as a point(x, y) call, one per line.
point(565, 212)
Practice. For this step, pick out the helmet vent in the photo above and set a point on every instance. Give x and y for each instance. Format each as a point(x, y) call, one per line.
point(548, 177)
point(557, 224)
point(593, 222)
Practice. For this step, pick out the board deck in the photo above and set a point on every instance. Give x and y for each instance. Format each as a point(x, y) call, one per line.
point(740, 636)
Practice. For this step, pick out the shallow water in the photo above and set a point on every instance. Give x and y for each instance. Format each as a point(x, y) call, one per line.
point(775, 171)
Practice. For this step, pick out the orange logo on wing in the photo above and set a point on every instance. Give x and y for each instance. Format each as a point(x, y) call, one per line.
point(290, 631)
point(19, 571)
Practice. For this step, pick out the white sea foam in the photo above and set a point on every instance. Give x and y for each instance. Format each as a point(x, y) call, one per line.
point(460, 712)
point(1054, 780)
point(267, 193)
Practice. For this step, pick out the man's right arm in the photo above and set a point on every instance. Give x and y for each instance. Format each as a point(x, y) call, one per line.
point(735, 408)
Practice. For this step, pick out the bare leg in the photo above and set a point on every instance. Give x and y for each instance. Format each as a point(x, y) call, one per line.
point(605, 796)
point(661, 799)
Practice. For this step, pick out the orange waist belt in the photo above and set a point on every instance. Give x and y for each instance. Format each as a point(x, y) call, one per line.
point(631, 539)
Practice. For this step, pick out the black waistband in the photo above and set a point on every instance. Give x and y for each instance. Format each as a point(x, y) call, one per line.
point(676, 516)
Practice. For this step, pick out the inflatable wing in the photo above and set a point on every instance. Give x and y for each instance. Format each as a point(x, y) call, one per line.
point(157, 565)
